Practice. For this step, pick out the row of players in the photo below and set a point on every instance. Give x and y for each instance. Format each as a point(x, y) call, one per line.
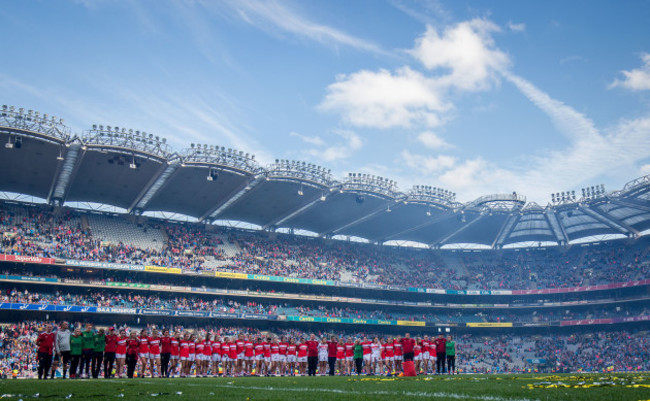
point(184, 354)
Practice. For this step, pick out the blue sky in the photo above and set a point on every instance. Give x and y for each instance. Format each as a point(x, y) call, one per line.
point(476, 97)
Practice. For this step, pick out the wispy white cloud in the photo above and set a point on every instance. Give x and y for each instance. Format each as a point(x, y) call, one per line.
point(342, 149)
point(590, 154)
point(312, 140)
point(637, 79)
point(276, 16)
point(432, 141)
point(516, 27)
point(565, 118)
point(427, 164)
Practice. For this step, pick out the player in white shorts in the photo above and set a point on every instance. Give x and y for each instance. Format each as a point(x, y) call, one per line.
point(322, 357)
point(375, 356)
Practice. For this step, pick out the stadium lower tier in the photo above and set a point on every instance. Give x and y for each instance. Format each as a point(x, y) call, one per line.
point(210, 350)
point(35, 297)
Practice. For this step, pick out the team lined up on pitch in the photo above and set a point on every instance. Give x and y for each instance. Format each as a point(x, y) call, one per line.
point(95, 353)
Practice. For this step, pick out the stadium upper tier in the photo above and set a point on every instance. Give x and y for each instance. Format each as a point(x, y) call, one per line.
point(55, 232)
point(140, 173)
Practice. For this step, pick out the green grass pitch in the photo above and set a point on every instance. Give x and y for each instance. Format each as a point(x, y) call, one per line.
point(592, 387)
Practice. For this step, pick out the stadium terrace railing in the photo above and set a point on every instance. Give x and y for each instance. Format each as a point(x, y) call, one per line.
point(285, 296)
point(27, 307)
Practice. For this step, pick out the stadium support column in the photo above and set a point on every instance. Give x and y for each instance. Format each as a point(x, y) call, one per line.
point(506, 229)
point(60, 189)
point(557, 228)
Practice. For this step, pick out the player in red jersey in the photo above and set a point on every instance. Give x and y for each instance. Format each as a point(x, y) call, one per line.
point(367, 354)
point(389, 355)
point(120, 354)
point(399, 354)
point(303, 348)
point(249, 356)
point(233, 355)
point(225, 356)
point(174, 355)
point(275, 356)
point(216, 355)
point(198, 356)
point(143, 351)
point(184, 353)
point(132, 351)
point(259, 355)
point(349, 355)
point(240, 354)
point(207, 355)
point(425, 354)
point(417, 355)
point(154, 352)
point(292, 350)
point(340, 356)
point(283, 355)
point(267, 356)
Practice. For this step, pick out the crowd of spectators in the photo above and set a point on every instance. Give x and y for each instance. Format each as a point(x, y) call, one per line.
point(59, 232)
point(189, 302)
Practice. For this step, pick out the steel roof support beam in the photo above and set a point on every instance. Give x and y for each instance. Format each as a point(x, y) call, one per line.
point(458, 231)
point(506, 230)
point(609, 220)
point(629, 204)
point(362, 218)
point(157, 182)
point(434, 220)
point(557, 227)
point(62, 181)
point(213, 213)
point(301, 210)
point(292, 213)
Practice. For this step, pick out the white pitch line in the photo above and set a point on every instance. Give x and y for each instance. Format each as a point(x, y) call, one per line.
point(436, 394)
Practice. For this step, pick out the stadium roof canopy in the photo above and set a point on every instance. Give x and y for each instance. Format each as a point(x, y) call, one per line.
point(138, 172)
